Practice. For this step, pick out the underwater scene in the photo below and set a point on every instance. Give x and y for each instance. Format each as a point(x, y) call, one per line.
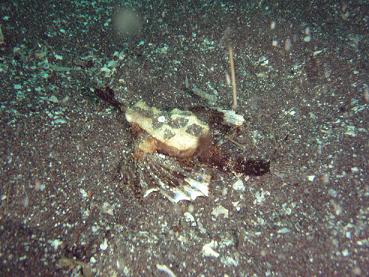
point(184, 138)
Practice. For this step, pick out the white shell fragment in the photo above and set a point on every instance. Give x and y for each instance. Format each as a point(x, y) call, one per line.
point(231, 118)
point(107, 208)
point(220, 210)
point(238, 185)
point(190, 219)
point(236, 205)
point(208, 251)
point(55, 243)
point(104, 245)
point(149, 191)
point(163, 268)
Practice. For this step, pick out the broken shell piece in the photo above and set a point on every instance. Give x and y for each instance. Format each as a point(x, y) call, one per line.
point(163, 268)
point(231, 118)
point(190, 219)
point(208, 251)
point(238, 185)
point(220, 210)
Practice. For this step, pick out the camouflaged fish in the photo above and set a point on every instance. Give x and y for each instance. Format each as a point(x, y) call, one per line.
point(172, 153)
